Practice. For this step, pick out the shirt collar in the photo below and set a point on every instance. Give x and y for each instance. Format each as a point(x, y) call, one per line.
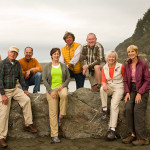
point(71, 45)
point(7, 61)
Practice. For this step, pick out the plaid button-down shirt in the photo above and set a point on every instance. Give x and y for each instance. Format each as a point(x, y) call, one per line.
point(92, 56)
point(9, 75)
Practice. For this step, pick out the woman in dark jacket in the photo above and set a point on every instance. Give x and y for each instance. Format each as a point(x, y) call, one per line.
point(137, 85)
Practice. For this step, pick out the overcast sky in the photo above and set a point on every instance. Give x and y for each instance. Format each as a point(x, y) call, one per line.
point(41, 24)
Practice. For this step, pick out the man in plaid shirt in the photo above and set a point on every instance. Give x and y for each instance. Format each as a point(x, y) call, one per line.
point(92, 58)
point(10, 73)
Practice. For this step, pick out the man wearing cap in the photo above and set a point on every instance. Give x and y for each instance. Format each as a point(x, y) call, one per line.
point(92, 60)
point(31, 70)
point(10, 74)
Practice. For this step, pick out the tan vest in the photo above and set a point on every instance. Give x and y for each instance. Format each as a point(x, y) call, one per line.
point(69, 54)
point(117, 79)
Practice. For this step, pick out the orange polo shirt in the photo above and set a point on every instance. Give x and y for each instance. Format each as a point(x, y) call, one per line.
point(26, 65)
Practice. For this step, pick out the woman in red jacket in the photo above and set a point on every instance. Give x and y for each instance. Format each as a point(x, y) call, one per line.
point(137, 85)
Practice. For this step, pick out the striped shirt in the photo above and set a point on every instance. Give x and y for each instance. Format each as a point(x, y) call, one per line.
point(10, 74)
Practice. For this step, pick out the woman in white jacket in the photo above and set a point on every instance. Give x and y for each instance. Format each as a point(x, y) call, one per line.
point(112, 85)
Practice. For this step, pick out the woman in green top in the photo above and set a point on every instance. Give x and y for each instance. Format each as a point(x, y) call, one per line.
point(56, 79)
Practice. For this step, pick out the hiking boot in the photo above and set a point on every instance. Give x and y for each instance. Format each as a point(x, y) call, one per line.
point(30, 128)
point(111, 135)
point(128, 139)
point(104, 115)
point(140, 142)
point(3, 143)
point(55, 139)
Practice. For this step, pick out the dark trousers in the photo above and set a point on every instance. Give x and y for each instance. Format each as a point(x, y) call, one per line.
point(79, 79)
point(135, 113)
point(34, 80)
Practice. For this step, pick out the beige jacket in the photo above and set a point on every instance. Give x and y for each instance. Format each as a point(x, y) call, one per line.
point(117, 80)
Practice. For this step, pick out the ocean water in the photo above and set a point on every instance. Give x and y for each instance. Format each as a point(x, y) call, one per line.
point(71, 86)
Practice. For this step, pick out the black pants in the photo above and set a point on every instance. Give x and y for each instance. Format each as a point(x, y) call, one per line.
point(135, 113)
point(79, 79)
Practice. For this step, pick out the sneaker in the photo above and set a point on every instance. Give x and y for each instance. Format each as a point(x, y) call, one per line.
point(3, 143)
point(30, 128)
point(55, 139)
point(128, 139)
point(140, 142)
point(111, 135)
point(104, 115)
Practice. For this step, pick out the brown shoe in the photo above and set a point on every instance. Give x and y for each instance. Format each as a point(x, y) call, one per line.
point(140, 142)
point(3, 143)
point(95, 87)
point(30, 128)
point(128, 139)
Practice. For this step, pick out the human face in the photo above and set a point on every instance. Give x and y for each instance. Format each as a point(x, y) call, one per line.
point(111, 59)
point(12, 55)
point(56, 56)
point(132, 54)
point(91, 40)
point(28, 54)
point(69, 40)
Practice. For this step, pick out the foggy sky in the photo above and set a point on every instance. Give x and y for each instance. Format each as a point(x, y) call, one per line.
point(41, 24)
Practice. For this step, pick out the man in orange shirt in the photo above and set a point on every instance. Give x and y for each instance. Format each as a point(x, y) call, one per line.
point(31, 70)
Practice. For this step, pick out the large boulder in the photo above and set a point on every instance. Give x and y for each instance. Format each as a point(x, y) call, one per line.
point(84, 117)
point(40, 118)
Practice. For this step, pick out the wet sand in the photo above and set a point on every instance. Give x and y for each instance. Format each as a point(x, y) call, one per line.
point(66, 144)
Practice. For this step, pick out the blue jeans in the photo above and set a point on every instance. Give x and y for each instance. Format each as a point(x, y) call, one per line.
point(34, 80)
point(79, 79)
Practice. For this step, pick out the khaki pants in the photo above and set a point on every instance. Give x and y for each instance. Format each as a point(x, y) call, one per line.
point(117, 94)
point(53, 109)
point(92, 77)
point(24, 102)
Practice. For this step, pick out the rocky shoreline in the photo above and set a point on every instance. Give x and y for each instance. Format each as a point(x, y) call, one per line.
point(83, 118)
point(82, 128)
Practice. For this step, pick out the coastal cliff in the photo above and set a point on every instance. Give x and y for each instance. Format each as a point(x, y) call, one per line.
point(140, 37)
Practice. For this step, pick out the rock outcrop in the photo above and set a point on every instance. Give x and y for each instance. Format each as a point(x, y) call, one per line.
point(83, 117)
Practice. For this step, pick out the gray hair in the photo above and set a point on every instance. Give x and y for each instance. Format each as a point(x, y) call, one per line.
point(91, 34)
point(111, 52)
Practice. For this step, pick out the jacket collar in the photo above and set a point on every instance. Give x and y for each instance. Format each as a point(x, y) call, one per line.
point(71, 45)
point(116, 66)
point(130, 60)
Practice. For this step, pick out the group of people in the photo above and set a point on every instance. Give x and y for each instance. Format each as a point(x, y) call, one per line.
point(73, 60)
